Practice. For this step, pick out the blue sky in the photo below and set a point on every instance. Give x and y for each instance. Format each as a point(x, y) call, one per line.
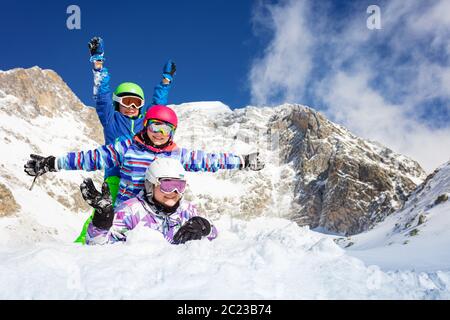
point(211, 42)
point(390, 85)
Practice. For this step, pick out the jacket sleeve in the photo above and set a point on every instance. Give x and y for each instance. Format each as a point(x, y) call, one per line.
point(102, 96)
point(107, 156)
point(160, 95)
point(125, 220)
point(199, 160)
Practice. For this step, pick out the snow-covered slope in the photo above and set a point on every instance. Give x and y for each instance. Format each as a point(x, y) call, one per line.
point(416, 237)
point(259, 254)
point(266, 258)
point(40, 114)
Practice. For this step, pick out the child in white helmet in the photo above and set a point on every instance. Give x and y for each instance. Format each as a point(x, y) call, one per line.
point(160, 206)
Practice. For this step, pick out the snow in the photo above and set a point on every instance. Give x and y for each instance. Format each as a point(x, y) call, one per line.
point(391, 245)
point(209, 108)
point(201, 184)
point(259, 254)
point(266, 258)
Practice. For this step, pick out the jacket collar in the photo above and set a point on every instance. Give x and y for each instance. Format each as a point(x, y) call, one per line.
point(156, 208)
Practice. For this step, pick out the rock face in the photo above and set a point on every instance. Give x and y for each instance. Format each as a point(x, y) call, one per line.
point(345, 184)
point(420, 230)
point(8, 205)
point(317, 173)
point(38, 92)
point(40, 114)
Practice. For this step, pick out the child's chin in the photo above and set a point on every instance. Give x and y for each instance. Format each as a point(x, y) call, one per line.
point(170, 203)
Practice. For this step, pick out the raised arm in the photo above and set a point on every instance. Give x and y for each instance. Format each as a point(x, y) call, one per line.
point(161, 91)
point(102, 92)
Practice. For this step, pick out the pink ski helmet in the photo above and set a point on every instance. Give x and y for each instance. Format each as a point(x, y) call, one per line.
point(163, 113)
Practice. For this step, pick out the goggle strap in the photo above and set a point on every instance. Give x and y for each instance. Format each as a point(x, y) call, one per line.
point(151, 121)
point(116, 98)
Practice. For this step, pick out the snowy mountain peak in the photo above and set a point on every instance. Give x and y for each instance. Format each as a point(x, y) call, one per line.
point(35, 92)
point(206, 107)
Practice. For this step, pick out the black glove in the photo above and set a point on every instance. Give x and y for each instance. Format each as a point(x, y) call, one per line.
point(253, 162)
point(96, 46)
point(39, 165)
point(194, 229)
point(102, 202)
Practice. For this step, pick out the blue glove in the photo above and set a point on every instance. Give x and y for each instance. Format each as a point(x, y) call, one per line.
point(96, 49)
point(169, 70)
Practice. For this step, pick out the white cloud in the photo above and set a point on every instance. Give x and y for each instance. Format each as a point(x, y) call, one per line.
point(286, 63)
point(375, 83)
point(369, 115)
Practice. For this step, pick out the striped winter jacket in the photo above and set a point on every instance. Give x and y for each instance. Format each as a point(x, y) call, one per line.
point(133, 157)
point(137, 211)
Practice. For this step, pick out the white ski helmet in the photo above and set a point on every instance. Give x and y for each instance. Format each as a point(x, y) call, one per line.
point(164, 168)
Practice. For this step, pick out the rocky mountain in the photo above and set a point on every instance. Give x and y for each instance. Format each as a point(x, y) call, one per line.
point(417, 235)
point(344, 183)
point(317, 172)
point(40, 114)
point(34, 92)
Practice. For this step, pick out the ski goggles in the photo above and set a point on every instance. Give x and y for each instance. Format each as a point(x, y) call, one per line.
point(129, 101)
point(170, 185)
point(155, 126)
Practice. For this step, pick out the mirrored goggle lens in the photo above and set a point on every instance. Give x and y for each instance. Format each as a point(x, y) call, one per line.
point(159, 127)
point(131, 101)
point(171, 185)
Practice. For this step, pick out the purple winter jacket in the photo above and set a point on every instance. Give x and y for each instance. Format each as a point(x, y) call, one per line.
point(137, 211)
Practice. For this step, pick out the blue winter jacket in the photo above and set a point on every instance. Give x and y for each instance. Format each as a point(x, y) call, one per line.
point(116, 125)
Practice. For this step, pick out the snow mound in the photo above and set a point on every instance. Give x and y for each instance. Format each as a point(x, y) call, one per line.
point(266, 258)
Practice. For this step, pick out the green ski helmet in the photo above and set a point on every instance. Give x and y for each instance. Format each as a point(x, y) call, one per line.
point(127, 89)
